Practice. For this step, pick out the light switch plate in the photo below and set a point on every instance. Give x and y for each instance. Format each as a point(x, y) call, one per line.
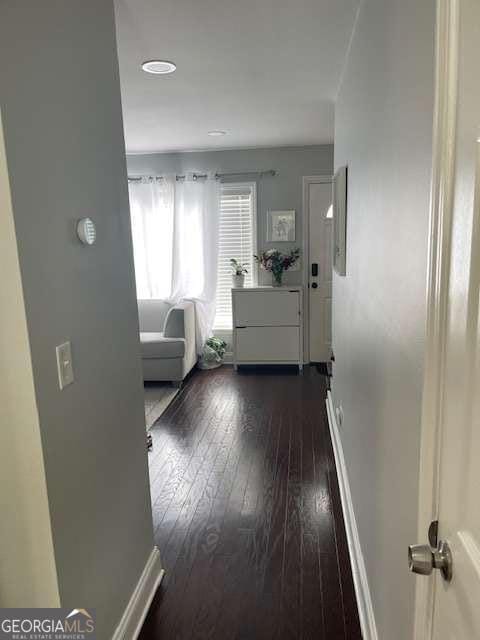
point(64, 364)
point(339, 414)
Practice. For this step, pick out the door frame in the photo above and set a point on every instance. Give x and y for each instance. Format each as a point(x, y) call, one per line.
point(438, 276)
point(306, 182)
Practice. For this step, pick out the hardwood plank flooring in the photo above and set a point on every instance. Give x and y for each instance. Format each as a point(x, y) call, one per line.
point(247, 512)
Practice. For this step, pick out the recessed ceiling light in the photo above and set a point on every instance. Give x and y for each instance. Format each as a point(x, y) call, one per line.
point(216, 133)
point(159, 67)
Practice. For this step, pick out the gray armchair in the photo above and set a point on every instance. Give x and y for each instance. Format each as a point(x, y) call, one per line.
point(167, 340)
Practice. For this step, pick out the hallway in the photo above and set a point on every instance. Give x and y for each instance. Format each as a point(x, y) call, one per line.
point(247, 512)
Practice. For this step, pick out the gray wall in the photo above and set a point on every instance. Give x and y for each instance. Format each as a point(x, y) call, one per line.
point(62, 119)
point(383, 130)
point(281, 192)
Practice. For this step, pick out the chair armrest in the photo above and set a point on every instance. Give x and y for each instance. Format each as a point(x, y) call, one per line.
point(180, 323)
point(175, 323)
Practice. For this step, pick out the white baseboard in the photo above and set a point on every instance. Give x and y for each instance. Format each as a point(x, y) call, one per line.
point(141, 599)
point(362, 590)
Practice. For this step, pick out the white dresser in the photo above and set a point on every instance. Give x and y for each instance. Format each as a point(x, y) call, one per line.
point(267, 326)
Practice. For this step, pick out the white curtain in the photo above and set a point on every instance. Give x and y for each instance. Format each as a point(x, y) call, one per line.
point(151, 211)
point(175, 237)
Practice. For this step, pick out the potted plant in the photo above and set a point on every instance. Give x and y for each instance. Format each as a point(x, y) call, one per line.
point(213, 352)
point(277, 262)
point(238, 273)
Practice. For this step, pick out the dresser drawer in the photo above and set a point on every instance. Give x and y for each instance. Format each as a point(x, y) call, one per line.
point(266, 308)
point(267, 344)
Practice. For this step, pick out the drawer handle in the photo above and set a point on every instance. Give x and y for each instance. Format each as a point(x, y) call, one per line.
point(243, 327)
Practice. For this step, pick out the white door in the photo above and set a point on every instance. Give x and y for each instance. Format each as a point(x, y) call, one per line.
point(450, 467)
point(318, 201)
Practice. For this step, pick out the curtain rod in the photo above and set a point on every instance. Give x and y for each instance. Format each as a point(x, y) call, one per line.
point(218, 176)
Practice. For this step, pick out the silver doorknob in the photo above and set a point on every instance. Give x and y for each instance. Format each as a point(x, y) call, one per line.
point(423, 559)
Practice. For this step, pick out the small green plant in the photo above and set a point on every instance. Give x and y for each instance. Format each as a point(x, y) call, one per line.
point(238, 269)
point(218, 345)
point(213, 352)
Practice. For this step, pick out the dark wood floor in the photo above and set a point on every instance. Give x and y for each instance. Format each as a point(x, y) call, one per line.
point(247, 512)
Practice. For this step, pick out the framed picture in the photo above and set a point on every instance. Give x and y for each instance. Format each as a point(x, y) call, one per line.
point(281, 226)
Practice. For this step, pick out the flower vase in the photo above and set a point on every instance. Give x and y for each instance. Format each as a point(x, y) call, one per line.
point(277, 278)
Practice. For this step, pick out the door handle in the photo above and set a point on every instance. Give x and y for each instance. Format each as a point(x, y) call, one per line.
point(422, 559)
point(314, 269)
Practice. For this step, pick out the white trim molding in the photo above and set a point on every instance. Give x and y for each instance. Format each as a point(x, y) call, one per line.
point(137, 608)
point(360, 581)
point(440, 236)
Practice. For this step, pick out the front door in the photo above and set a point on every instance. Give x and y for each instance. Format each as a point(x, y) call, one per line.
point(453, 607)
point(318, 196)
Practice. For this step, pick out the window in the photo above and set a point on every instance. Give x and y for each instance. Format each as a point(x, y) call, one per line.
point(237, 239)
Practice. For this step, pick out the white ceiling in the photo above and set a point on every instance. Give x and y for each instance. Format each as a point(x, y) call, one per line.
point(265, 71)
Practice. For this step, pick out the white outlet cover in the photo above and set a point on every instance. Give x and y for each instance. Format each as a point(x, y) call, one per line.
point(64, 364)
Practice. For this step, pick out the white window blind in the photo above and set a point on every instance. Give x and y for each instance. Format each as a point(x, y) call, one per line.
point(237, 239)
